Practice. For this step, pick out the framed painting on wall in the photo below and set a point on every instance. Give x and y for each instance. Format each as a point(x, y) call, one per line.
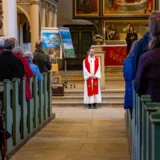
point(67, 42)
point(85, 8)
point(51, 42)
point(129, 8)
point(119, 28)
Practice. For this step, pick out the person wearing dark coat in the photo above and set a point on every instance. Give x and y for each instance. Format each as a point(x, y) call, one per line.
point(130, 38)
point(2, 39)
point(147, 80)
point(141, 48)
point(41, 59)
point(10, 66)
point(128, 77)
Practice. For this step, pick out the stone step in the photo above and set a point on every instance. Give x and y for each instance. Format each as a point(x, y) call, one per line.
point(78, 104)
point(74, 85)
point(114, 68)
point(106, 92)
point(108, 69)
point(74, 98)
point(79, 99)
point(80, 74)
point(108, 77)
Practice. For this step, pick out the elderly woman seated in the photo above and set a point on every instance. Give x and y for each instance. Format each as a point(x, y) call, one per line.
point(18, 52)
point(29, 56)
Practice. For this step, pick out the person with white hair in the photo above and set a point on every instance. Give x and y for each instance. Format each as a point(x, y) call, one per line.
point(10, 66)
point(29, 56)
point(18, 52)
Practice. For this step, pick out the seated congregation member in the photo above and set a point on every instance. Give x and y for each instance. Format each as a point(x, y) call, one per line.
point(10, 66)
point(141, 48)
point(2, 39)
point(18, 52)
point(92, 76)
point(14, 42)
point(148, 74)
point(128, 77)
point(29, 56)
point(41, 59)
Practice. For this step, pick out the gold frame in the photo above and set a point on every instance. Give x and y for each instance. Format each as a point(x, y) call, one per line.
point(84, 14)
point(139, 13)
point(134, 23)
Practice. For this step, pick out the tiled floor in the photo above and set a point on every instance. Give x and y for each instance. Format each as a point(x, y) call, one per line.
point(80, 134)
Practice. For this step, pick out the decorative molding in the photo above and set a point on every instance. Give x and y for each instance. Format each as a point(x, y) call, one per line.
point(43, 4)
point(53, 2)
point(47, 6)
point(50, 8)
point(34, 2)
point(54, 9)
point(1, 15)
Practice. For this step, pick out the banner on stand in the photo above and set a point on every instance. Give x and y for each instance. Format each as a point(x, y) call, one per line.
point(67, 42)
point(51, 42)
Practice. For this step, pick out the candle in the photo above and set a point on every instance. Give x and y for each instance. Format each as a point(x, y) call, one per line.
point(104, 30)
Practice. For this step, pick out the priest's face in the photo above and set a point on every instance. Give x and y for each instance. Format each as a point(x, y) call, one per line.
point(91, 52)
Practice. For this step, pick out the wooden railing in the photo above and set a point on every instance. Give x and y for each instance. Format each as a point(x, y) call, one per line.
point(23, 118)
point(144, 129)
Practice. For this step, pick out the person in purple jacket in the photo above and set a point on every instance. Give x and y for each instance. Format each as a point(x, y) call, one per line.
point(147, 81)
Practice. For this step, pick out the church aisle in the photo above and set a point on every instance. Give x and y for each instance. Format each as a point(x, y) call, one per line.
point(80, 134)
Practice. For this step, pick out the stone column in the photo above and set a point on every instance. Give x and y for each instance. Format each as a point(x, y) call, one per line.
point(50, 16)
point(43, 16)
point(10, 18)
point(34, 14)
point(21, 35)
point(55, 17)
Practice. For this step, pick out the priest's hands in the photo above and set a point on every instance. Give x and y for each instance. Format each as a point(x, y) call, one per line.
point(93, 77)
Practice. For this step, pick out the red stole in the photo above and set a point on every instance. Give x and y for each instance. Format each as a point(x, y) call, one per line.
point(92, 89)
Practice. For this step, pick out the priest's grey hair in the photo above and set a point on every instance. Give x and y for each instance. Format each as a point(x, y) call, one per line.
point(18, 50)
point(28, 55)
point(154, 29)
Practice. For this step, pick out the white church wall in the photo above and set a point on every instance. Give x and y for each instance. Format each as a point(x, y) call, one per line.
point(65, 11)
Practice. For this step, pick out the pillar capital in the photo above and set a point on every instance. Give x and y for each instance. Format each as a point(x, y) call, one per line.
point(50, 8)
point(1, 15)
point(44, 5)
point(54, 10)
point(34, 2)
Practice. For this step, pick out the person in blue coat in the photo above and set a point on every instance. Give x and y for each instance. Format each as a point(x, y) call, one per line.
point(29, 56)
point(141, 48)
point(129, 77)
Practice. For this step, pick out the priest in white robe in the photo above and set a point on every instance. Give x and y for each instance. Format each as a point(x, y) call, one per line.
point(92, 75)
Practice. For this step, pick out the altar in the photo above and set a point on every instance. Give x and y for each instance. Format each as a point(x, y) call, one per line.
point(115, 53)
